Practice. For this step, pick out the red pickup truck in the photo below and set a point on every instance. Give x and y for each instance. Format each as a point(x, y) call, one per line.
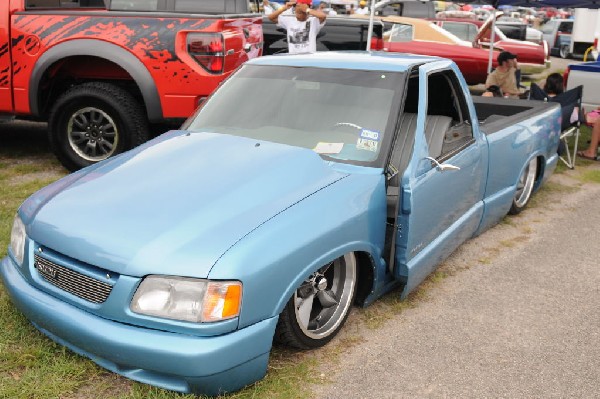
point(99, 71)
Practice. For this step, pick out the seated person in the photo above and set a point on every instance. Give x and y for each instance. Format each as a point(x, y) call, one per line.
point(554, 85)
point(504, 76)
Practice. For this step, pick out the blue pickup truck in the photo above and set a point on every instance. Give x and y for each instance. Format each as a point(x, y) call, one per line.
point(264, 223)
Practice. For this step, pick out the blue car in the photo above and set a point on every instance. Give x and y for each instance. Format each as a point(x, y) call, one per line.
point(179, 262)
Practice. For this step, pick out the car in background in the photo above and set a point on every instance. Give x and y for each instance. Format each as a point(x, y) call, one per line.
point(518, 30)
point(533, 57)
point(418, 36)
point(410, 8)
point(557, 32)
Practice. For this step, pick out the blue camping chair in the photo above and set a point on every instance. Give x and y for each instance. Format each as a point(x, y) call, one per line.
point(569, 101)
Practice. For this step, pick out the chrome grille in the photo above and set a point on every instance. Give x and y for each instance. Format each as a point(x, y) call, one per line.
point(71, 281)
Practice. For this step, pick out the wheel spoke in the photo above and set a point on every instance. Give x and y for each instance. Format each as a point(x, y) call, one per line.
point(105, 146)
point(327, 298)
point(96, 117)
point(78, 137)
point(305, 308)
point(81, 121)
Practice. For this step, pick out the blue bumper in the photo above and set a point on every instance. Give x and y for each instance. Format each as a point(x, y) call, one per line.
point(185, 363)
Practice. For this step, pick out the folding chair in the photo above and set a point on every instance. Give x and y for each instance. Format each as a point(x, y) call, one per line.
point(569, 101)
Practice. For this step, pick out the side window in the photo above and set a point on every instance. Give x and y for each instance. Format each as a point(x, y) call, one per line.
point(565, 27)
point(399, 33)
point(206, 6)
point(64, 4)
point(548, 28)
point(457, 29)
point(447, 127)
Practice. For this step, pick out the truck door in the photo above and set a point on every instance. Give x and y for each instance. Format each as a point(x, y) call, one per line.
point(6, 105)
point(442, 188)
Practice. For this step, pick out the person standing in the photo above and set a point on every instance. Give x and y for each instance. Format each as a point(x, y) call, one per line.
point(267, 8)
point(362, 8)
point(302, 25)
point(504, 76)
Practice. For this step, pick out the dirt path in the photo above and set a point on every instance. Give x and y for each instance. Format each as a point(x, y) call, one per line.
point(513, 313)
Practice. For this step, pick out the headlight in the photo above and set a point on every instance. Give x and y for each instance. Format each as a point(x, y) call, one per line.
point(17, 239)
point(188, 299)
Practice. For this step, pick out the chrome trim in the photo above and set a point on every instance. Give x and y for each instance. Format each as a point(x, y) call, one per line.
point(75, 283)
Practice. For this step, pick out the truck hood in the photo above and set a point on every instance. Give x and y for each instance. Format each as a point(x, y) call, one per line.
point(177, 204)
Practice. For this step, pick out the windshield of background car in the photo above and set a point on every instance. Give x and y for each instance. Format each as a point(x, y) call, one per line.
point(343, 115)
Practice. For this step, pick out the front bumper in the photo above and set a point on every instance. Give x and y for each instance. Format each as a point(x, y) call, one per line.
point(184, 363)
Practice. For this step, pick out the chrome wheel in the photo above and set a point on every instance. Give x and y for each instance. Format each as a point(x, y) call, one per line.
point(319, 307)
point(524, 187)
point(92, 134)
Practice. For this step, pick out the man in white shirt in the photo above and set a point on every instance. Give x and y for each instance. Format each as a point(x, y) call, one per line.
point(267, 8)
point(362, 8)
point(302, 25)
point(330, 12)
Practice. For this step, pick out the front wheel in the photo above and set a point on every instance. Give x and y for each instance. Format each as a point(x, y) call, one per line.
point(524, 188)
point(320, 306)
point(94, 121)
point(564, 51)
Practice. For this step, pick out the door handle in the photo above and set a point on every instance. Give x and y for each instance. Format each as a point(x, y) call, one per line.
point(442, 167)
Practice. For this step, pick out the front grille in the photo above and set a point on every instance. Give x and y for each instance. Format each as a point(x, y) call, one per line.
point(71, 281)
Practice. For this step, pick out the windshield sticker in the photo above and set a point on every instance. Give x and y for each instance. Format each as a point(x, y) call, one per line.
point(370, 134)
point(367, 144)
point(329, 148)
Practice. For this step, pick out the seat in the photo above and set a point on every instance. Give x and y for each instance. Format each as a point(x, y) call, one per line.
point(570, 103)
point(436, 127)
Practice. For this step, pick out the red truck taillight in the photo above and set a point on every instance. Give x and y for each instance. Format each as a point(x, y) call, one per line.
point(208, 49)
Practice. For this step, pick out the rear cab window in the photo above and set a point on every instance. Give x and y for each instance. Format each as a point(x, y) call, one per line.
point(188, 6)
point(33, 4)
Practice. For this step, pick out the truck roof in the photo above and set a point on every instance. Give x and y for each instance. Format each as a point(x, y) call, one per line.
point(362, 60)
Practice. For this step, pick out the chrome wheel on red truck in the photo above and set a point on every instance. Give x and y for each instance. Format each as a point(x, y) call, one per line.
point(320, 306)
point(94, 121)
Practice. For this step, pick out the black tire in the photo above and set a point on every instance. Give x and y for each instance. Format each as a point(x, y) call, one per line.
point(564, 51)
point(524, 187)
point(94, 121)
point(327, 296)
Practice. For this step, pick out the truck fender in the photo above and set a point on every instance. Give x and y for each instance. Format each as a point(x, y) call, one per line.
point(108, 51)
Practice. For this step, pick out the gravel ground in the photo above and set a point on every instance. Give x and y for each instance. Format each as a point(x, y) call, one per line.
point(518, 316)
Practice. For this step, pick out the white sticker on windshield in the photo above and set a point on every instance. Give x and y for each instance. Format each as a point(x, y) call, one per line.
point(369, 134)
point(329, 148)
point(367, 144)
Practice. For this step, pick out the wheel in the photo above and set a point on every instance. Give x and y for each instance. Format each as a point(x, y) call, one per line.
point(564, 51)
point(524, 188)
point(320, 306)
point(94, 121)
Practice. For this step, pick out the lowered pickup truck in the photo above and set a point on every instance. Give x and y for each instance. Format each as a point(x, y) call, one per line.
point(262, 224)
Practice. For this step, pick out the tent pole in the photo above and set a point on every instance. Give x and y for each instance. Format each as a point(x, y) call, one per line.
point(492, 37)
point(371, 19)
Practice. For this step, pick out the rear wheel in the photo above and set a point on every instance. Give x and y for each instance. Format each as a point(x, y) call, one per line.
point(524, 188)
point(94, 121)
point(320, 306)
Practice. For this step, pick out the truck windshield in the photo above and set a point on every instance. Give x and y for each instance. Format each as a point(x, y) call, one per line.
point(343, 115)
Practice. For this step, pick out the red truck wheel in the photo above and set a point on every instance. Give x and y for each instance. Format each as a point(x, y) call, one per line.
point(94, 121)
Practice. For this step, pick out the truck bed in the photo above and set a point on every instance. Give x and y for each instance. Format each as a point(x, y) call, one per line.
point(496, 114)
